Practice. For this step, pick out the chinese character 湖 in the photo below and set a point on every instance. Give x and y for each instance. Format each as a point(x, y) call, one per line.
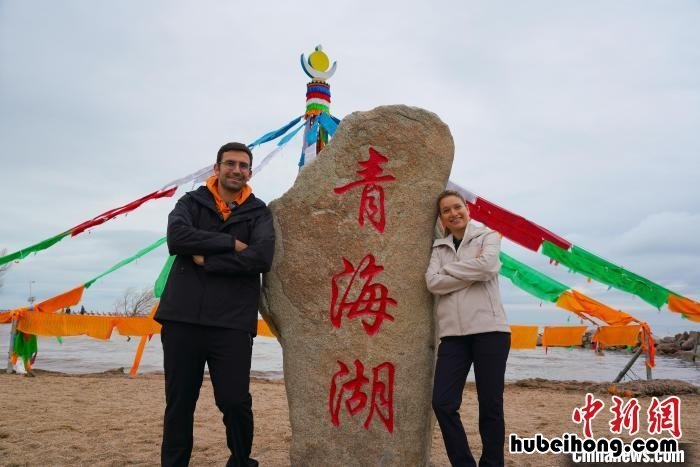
point(351, 390)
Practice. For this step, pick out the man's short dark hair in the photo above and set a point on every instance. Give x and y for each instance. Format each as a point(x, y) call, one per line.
point(234, 147)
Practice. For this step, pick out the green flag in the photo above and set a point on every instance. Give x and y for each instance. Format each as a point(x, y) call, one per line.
point(163, 277)
point(126, 261)
point(42, 245)
point(603, 271)
point(530, 280)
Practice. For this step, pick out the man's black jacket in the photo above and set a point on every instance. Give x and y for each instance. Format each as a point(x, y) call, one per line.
point(226, 290)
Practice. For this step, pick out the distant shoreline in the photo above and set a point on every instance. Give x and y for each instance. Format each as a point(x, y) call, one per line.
point(657, 387)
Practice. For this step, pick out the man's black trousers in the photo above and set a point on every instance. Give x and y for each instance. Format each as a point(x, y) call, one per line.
point(227, 352)
point(488, 352)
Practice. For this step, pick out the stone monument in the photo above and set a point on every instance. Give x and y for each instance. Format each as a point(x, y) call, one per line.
point(346, 294)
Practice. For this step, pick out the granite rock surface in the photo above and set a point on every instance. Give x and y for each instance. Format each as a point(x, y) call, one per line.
point(347, 295)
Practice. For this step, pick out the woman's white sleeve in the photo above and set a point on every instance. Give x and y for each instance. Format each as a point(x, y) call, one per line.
point(482, 268)
point(441, 284)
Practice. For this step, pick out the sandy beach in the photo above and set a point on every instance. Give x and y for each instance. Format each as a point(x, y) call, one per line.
point(112, 419)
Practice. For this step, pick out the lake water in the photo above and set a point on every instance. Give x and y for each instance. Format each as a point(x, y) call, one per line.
point(86, 355)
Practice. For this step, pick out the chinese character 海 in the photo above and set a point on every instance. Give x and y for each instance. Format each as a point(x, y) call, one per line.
point(371, 301)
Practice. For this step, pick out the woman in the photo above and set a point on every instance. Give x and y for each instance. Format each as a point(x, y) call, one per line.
point(463, 276)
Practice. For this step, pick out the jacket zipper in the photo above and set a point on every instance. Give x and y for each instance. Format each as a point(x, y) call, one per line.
point(459, 298)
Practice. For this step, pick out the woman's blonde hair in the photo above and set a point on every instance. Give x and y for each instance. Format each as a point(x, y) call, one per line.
point(447, 193)
point(441, 230)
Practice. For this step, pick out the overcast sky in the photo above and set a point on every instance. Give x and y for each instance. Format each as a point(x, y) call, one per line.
point(581, 116)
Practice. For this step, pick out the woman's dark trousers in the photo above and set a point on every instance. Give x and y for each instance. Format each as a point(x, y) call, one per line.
point(488, 352)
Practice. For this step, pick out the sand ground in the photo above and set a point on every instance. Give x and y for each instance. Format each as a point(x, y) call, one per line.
point(112, 419)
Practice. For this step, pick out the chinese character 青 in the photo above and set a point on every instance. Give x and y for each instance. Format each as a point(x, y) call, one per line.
point(372, 198)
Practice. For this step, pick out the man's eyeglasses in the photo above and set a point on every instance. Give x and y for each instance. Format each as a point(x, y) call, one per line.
point(233, 164)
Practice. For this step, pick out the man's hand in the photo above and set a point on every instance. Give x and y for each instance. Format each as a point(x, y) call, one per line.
point(198, 260)
point(240, 246)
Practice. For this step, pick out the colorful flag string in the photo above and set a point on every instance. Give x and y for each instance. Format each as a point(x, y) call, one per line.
point(579, 260)
point(74, 296)
point(534, 237)
point(126, 261)
point(544, 287)
point(511, 225)
point(167, 191)
point(332, 123)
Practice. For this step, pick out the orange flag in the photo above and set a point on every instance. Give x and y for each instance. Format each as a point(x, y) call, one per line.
point(580, 303)
point(264, 329)
point(142, 343)
point(686, 306)
point(523, 337)
point(52, 324)
point(563, 336)
point(137, 326)
point(5, 317)
point(617, 335)
point(66, 299)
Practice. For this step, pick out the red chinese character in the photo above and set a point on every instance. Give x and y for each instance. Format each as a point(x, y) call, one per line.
point(372, 300)
point(626, 416)
point(372, 199)
point(382, 397)
point(587, 413)
point(665, 416)
point(357, 399)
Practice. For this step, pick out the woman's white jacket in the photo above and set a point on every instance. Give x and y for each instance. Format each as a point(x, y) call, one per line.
point(465, 283)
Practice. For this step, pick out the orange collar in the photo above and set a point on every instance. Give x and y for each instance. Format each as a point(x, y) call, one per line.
point(221, 205)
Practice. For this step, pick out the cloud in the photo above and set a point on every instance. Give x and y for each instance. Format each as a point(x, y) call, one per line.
point(581, 117)
point(659, 233)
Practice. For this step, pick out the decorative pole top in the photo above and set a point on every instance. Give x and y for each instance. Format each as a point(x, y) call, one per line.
point(316, 66)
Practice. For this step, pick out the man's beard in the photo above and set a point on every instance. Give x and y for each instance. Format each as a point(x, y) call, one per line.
point(232, 184)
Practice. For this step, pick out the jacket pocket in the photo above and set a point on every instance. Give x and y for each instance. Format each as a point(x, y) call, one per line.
point(492, 301)
point(448, 314)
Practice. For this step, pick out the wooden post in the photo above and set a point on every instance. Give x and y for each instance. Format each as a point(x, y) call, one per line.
point(697, 344)
point(629, 365)
point(13, 332)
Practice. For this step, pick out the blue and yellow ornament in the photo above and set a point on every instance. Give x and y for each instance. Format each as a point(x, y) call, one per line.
point(316, 66)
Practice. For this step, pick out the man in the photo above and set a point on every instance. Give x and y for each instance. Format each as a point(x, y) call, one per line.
point(224, 239)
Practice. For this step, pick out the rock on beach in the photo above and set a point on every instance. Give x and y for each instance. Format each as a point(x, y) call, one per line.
point(346, 293)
